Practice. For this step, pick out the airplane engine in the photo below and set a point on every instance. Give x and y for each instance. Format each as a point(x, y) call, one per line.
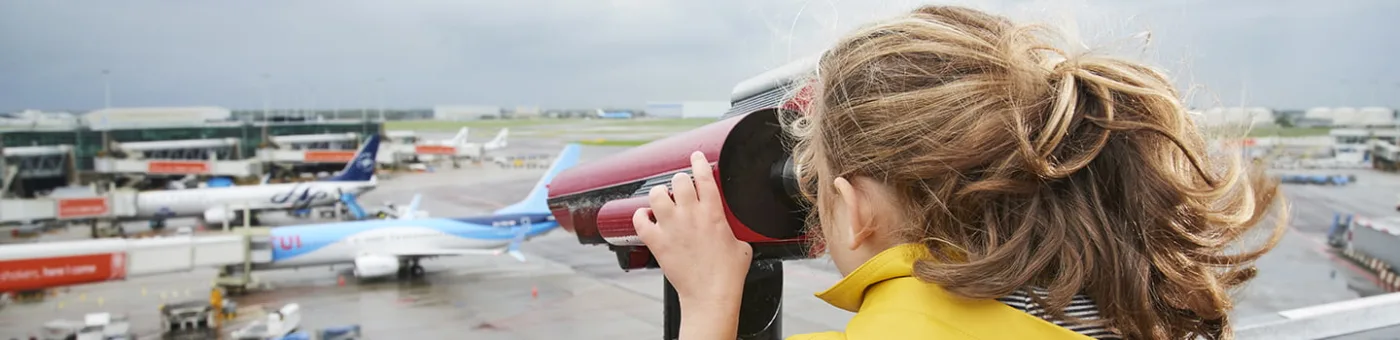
point(217, 215)
point(375, 266)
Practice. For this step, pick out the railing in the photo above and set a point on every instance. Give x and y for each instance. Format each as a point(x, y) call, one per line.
point(1327, 320)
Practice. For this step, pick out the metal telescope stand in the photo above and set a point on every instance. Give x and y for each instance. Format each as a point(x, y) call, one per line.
point(760, 312)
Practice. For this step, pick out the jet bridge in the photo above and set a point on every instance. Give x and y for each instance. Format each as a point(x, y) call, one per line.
point(397, 146)
point(39, 161)
point(337, 148)
point(113, 204)
point(190, 149)
point(214, 157)
point(27, 267)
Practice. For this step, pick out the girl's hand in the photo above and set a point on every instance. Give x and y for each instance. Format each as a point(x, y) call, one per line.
point(692, 241)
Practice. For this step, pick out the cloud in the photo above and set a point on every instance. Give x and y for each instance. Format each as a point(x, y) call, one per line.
point(1280, 53)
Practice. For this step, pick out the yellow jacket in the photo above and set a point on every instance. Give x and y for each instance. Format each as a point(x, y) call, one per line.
point(891, 304)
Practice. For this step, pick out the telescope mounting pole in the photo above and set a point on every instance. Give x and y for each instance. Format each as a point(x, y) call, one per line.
point(760, 312)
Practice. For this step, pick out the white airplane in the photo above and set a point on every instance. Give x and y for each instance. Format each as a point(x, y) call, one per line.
point(459, 145)
point(496, 143)
point(385, 247)
point(220, 204)
point(459, 139)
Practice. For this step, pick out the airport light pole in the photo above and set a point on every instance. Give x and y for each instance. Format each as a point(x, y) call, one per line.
point(311, 109)
point(380, 82)
point(106, 89)
point(267, 107)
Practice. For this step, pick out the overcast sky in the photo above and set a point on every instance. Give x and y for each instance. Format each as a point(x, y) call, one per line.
point(587, 53)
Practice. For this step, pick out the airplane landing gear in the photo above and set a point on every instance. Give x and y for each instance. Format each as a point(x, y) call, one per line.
point(410, 269)
point(239, 218)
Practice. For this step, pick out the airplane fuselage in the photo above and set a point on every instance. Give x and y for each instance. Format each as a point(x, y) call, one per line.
point(342, 243)
point(194, 202)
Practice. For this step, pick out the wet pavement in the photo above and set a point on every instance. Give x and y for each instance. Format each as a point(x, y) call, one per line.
point(567, 290)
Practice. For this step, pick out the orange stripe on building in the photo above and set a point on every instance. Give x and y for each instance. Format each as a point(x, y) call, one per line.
point(177, 167)
point(327, 156)
point(82, 207)
point(434, 150)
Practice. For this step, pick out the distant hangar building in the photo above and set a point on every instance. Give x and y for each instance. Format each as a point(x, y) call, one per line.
point(687, 109)
point(1353, 117)
point(1236, 116)
point(466, 112)
point(150, 117)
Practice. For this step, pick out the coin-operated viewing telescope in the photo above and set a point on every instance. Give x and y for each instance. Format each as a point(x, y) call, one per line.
point(755, 174)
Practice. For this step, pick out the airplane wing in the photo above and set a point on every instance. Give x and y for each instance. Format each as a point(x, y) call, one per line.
point(513, 249)
point(438, 252)
point(415, 253)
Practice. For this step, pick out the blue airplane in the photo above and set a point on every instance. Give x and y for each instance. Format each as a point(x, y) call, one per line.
point(394, 246)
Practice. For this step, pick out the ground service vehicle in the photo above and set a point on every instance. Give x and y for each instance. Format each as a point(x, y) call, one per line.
point(188, 316)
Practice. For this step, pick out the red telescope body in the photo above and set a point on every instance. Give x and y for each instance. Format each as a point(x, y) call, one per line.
point(758, 186)
point(751, 164)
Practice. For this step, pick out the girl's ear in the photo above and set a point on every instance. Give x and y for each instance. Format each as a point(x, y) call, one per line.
point(858, 221)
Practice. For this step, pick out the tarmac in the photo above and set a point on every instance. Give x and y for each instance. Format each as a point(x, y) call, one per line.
point(568, 290)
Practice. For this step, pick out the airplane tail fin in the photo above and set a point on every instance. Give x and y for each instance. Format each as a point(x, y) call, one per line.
point(498, 142)
point(460, 138)
point(412, 210)
point(361, 167)
point(537, 202)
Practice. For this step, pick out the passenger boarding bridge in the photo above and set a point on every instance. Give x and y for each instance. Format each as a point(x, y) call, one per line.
point(409, 137)
point(37, 266)
point(190, 149)
point(397, 146)
point(30, 170)
point(213, 157)
point(39, 161)
point(333, 148)
point(107, 206)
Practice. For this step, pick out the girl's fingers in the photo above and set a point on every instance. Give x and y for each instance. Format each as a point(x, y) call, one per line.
point(707, 192)
point(661, 203)
point(646, 229)
point(684, 190)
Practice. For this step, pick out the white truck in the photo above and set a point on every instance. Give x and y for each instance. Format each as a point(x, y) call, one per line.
point(95, 326)
point(277, 325)
point(62, 330)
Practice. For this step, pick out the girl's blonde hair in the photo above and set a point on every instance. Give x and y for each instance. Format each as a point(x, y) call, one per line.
point(1078, 174)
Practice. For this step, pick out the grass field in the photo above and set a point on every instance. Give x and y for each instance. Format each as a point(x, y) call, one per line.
point(437, 125)
point(1287, 132)
point(442, 125)
point(612, 142)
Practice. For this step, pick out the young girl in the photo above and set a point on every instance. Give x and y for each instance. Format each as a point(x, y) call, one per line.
point(973, 182)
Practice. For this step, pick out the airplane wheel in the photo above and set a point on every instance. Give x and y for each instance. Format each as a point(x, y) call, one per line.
point(416, 270)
